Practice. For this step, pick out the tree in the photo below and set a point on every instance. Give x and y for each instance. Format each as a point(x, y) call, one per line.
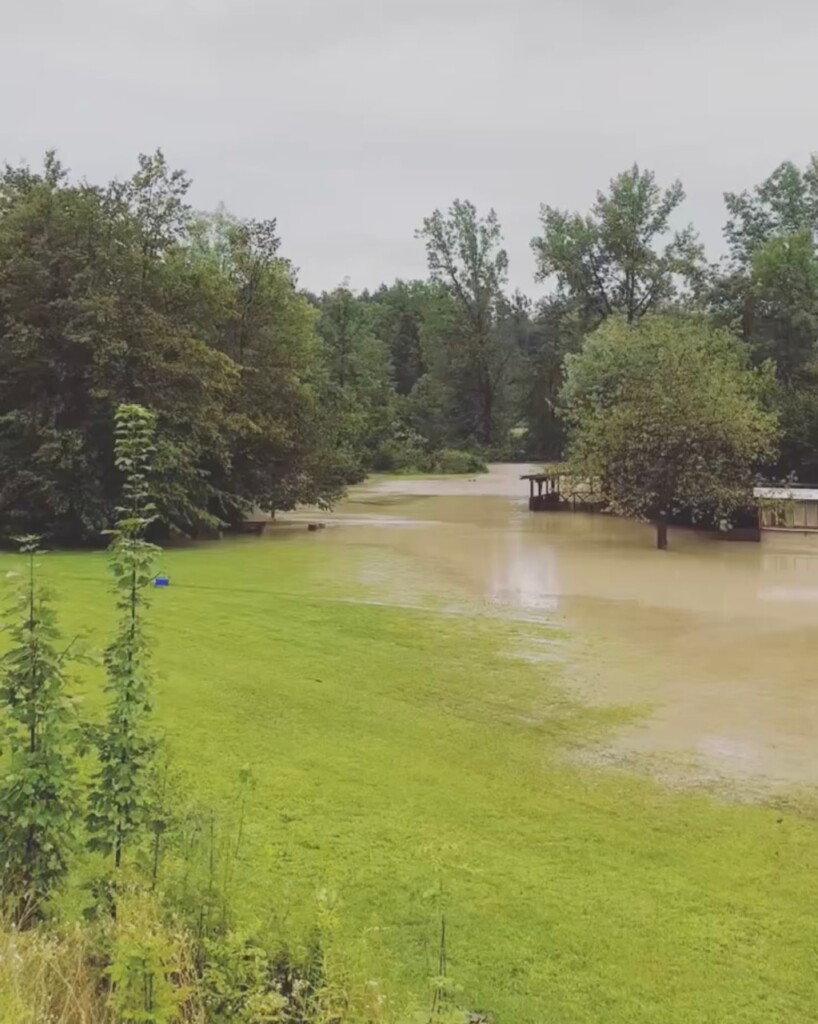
point(84, 275)
point(770, 289)
point(768, 292)
point(665, 414)
point(360, 396)
point(118, 799)
point(277, 420)
point(118, 294)
point(782, 311)
point(612, 260)
point(781, 324)
point(38, 789)
point(553, 330)
point(414, 320)
point(399, 321)
point(783, 204)
point(465, 254)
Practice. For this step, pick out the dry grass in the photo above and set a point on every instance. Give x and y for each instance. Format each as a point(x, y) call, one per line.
point(48, 978)
point(54, 974)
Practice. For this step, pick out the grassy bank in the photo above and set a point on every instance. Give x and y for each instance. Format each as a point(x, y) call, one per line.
point(407, 763)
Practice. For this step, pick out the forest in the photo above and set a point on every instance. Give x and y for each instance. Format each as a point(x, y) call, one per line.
point(268, 396)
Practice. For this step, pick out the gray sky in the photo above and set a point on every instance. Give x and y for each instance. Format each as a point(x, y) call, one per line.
point(350, 120)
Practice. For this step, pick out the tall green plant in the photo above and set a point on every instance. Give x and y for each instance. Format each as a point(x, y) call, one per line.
point(38, 790)
point(119, 800)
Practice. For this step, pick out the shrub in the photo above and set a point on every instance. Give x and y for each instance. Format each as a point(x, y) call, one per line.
point(403, 457)
point(454, 460)
point(151, 973)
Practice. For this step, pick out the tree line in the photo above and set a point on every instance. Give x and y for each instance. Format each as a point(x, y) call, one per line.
point(267, 395)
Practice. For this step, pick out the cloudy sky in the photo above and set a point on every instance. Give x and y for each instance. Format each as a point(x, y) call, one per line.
point(350, 120)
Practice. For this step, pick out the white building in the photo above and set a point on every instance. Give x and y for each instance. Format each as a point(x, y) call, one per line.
point(787, 508)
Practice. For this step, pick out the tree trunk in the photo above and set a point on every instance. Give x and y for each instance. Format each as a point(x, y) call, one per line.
point(661, 531)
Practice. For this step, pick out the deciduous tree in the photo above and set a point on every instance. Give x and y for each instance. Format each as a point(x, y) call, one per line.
point(118, 293)
point(768, 293)
point(666, 414)
point(623, 258)
point(465, 254)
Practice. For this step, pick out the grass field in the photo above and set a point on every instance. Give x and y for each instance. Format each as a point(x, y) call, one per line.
point(397, 750)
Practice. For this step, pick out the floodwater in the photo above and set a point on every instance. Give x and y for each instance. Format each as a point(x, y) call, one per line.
point(716, 643)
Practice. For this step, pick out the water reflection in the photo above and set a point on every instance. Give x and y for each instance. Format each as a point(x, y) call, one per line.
point(809, 594)
point(517, 576)
point(719, 638)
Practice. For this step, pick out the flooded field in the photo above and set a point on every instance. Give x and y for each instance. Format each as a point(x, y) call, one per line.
point(716, 642)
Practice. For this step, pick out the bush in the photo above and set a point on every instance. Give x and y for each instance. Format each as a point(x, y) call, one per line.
point(454, 460)
point(146, 968)
point(404, 457)
point(515, 448)
point(398, 457)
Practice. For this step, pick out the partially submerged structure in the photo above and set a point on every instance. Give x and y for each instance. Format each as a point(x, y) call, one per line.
point(788, 508)
point(559, 492)
point(552, 491)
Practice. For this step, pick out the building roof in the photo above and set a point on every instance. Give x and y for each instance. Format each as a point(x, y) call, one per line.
point(786, 493)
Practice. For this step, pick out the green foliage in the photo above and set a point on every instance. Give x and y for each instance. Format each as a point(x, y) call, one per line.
point(417, 321)
point(466, 257)
point(412, 318)
point(407, 453)
point(117, 293)
point(38, 787)
point(784, 287)
point(268, 398)
point(615, 260)
point(118, 800)
point(769, 294)
point(359, 395)
point(610, 259)
point(784, 204)
point(797, 408)
point(547, 336)
point(666, 414)
point(389, 361)
point(771, 291)
point(282, 439)
point(242, 984)
point(454, 460)
point(148, 962)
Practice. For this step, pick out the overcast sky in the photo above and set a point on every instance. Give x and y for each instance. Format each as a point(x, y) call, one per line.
point(350, 120)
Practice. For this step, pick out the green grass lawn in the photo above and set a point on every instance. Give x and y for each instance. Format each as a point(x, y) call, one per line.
point(397, 749)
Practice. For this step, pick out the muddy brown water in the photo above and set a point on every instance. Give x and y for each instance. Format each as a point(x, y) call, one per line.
point(715, 642)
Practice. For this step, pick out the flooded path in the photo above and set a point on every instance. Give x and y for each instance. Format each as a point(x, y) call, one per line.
point(716, 642)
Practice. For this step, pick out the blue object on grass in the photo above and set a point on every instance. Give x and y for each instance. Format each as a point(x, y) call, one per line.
point(161, 581)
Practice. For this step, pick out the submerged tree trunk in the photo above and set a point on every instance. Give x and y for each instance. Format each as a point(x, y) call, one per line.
point(661, 531)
